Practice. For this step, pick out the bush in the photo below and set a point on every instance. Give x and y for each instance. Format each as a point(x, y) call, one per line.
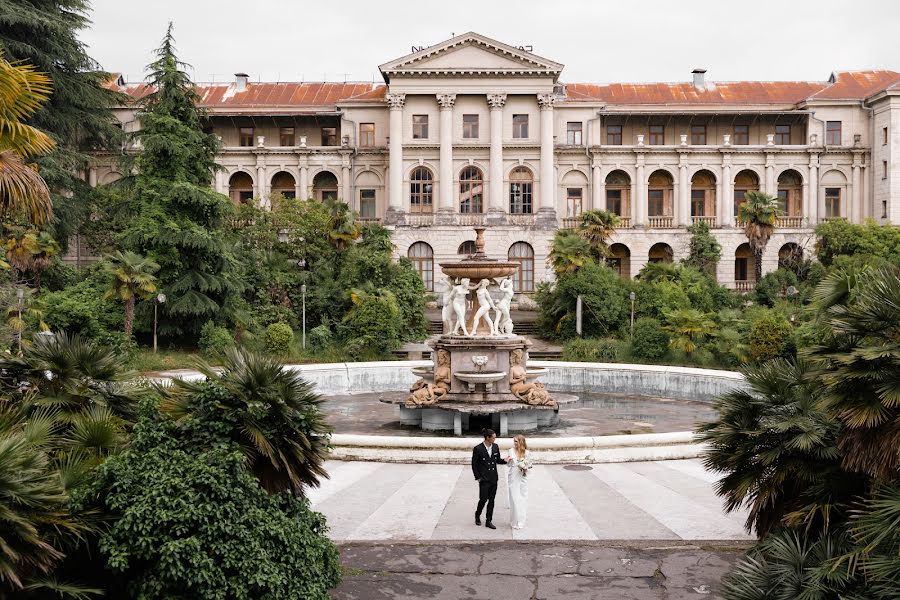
point(81, 309)
point(320, 336)
point(774, 285)
point(373, 323)
point(704, 251)
point(214, 339)
point(650, 341)
point(769, 337)
point(58, 276)
point(592, 350)
point(605, 298)
point(278, 338)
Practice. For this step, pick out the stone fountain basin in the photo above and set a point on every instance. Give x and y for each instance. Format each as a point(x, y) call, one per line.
point(476, 270)
point(425, 372)
point(535, 372)
point(479, 376)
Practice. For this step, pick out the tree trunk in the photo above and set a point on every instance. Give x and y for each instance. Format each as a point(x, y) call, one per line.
point(129, 316)
point(757, 256)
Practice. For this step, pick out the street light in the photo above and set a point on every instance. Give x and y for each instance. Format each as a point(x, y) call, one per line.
point(303, 291)
point(632, 296)
point(20, 295)
point(160, 299)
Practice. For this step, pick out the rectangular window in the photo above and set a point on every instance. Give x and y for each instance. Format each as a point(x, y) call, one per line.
point(833, 133)
point(738, 200)
point(656, 206)
point(782, 135)
point(420, 127)
point(245, 196)
point(367, 204)
point(329, 136)
point(884, 136)
point(657, 135)
point(614, 201)
point(246, 136)
point(573, 133)
point(287, 136)
point(573, 202)
point(783, 201)
point(614, 135)
point(832, 203)
point(741, 135)
point(470, 127)
point(884, 169)
point(698, 135)
point(698, 203)
point(520, 197)
point(520, 126)
point(367, 134)
point(740, 269)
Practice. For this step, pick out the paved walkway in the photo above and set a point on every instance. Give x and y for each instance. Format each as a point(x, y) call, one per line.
point(664, 500)
point(533, 571)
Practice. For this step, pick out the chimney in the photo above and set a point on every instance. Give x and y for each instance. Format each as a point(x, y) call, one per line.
point(240, 81)
point(699, 77)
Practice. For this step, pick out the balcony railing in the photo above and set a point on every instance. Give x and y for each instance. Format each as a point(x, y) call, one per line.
point(624, 223)
point(420, 219)
point(661, 222)
point(520, 219)
point(571, 222)
point(369, 219)
point(790, 221)
point(711, 221)
point(744, 285)
point(471, 219)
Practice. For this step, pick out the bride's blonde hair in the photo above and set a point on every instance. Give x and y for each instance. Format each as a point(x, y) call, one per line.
point(522, 444)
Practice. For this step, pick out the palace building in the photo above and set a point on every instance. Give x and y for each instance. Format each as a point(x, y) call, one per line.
point(473, 131)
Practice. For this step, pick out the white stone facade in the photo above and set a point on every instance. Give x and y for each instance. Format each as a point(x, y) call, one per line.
point(661, 155)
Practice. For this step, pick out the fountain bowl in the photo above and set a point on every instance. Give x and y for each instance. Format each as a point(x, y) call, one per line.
point(479, 376)
point(475, 270)
point(535, 372)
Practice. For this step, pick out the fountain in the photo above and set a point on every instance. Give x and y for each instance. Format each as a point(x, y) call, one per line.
point(480, 366)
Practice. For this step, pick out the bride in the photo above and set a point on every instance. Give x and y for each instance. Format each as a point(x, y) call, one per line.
point(519, 463)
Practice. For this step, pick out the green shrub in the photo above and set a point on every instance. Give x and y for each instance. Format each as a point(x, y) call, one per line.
point(81, 309)
point(769, 337)
point(58, 276)
point(278, 338)
point(773, 286)
point(214, 339)
point(650, 341)
point(605, 298)
point(320, 336)
point(592, 350)
point(374, 322)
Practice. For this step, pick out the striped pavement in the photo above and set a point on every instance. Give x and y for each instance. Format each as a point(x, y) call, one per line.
point(661, 500)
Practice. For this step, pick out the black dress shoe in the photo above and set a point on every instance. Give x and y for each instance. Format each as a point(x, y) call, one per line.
point(477, 520)
point(489, 525)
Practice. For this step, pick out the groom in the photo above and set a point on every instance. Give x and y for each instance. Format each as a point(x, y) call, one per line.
point(485, 458)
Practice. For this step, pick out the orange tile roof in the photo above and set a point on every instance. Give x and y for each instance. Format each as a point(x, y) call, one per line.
point(741, 92)
point(857, 85)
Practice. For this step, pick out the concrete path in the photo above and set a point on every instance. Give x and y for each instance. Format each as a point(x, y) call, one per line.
point(534, 571)
point(663, 500)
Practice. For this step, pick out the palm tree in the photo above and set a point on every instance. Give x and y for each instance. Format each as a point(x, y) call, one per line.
point(343, 227)
point(271, 412)
point(23, 91)
point(689, 327)
point(859, 361)
point(596, 227)
point(568, 252)
point(653, 272)
point(31, 250)
point(758, 213)
point(132, 277)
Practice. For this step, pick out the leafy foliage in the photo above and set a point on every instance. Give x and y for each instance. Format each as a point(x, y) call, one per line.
point(214, 339)
point(604, 295)
point(774, 286)
point(650, 340)
point(569, 252)
point(131, 277)
point(837, 238)
point(278, 338)
point(596, 227)
point(704, 250)
point(688, 327)
point(373, 321)
point(758, 214)
point(592, 350)
point(769, 337)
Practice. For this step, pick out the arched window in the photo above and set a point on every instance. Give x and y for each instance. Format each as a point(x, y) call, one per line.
point(618, 193)
point(467, 248)
point(283, 183)
point(240, 187)
point(661, 253)
point(523, 254)
point(471, 190)
point(659, 197)
point(745, 181)
point(421, 191)
point(422, 257)
point(790, 256)
point(703, 197)
point(619, 260)
point(325, 186)
point(790, 193)
point(744, 274)
point(521, 185)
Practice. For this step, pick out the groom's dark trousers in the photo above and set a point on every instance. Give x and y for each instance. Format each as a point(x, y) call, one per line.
point(484, 467)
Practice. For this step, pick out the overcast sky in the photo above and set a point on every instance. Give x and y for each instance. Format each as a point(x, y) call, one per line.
point(596, 40)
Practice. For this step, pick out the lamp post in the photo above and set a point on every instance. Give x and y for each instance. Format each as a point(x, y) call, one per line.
point(20, 295)
point(303, 292)
point(632, 296)
point(160, 299)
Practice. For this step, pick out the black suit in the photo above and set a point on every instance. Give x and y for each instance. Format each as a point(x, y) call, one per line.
point(484, 467)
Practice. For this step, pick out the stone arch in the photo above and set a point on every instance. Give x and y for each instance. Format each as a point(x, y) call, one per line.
point(656, 169)
point(660, 198)
point(467, 248)
point(284, 183)
point(790, 255)
point(240, 187)
point(661, 252)
point(368, 184)
point(619, 259)
point(618, 193)
point(790, 192)
point(703, 196)
point(471, 189)
point(421, 190)
point(325, 184)
point(521, 190)
point(575, 185)
point(834, 193)
point(422, 256)
point(110, 177)
point(745, 180)
point(744, 272)
point(523, 254)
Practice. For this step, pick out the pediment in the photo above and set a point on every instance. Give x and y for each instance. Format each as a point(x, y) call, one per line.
point(470, 55)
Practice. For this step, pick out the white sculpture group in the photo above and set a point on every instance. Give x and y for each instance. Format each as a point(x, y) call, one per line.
point(455, 301)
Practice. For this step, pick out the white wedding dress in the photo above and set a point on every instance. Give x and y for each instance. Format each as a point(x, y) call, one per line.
point(517, 485)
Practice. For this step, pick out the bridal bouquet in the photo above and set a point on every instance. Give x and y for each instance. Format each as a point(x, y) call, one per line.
point(525, 465)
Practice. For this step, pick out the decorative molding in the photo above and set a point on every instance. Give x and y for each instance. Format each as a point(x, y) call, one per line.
point(396, 101)
point(446, 101)
point(496, 101)
point(546, 101)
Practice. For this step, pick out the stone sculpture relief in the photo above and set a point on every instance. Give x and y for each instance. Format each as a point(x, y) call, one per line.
point(485, 305)
point(502, 321)
point(530, 393)
point(447, 308)
point(460, 292)
point(423, 393)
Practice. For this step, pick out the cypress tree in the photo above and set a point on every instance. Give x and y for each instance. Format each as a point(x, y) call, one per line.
point(178, 219)
point(79, 114)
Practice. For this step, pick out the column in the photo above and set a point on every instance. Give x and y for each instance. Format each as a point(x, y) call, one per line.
point(856, 196)
point(394, 213)
point(446, 210)
point(804, 205)
point(346, 190)
point(303, 194)
point(812, 214)
point(547, 212)
point(683, 203)
point(92, 176)
point(496, 205)
point(639, 206)
point(770, 186)
point(725, 208)
point(262, 185)
point(217, 183)
point(598, 190)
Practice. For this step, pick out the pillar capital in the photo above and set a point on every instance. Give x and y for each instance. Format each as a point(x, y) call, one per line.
point(446, 101)
point(395, 101)
point(496, 101)
point(546, 101)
